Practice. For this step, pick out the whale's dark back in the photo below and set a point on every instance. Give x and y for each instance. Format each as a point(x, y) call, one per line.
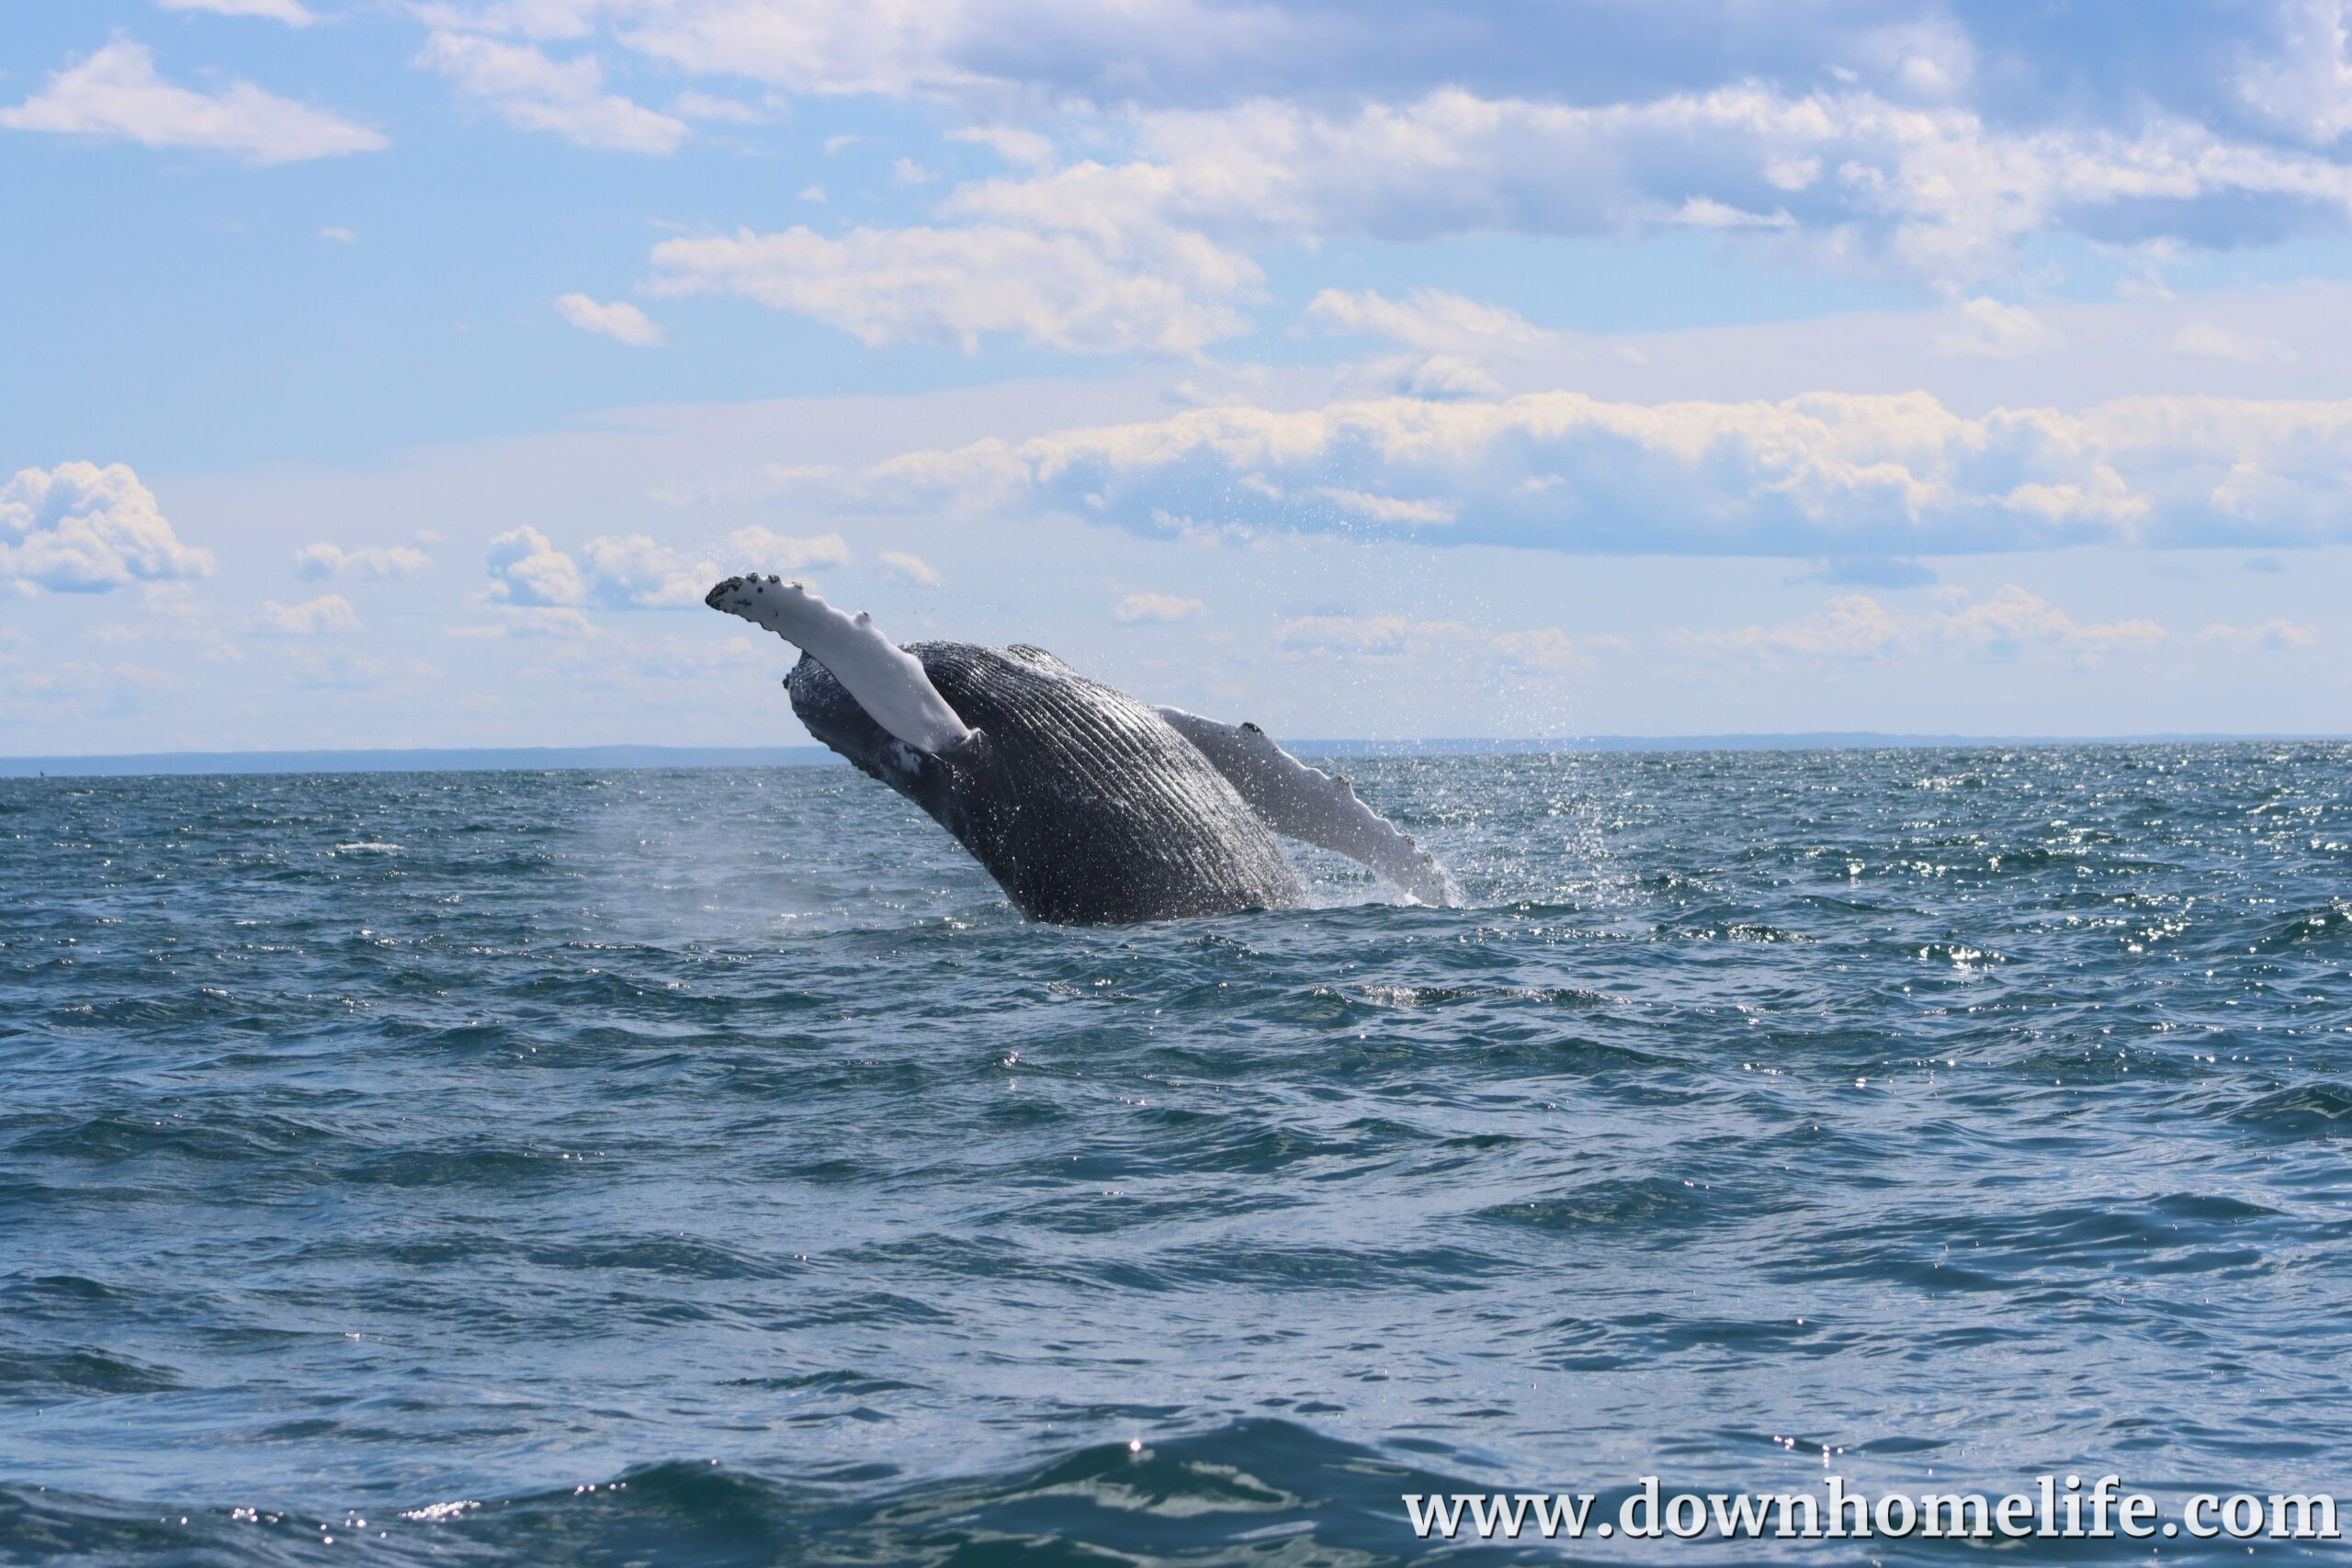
point(1084, 804)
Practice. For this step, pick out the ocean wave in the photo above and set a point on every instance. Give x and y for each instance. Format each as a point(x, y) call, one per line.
point(490, 1189)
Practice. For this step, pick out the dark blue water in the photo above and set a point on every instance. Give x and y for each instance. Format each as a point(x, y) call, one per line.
point(709, 1168)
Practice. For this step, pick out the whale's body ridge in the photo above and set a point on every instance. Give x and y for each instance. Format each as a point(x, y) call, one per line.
point(1087, 806)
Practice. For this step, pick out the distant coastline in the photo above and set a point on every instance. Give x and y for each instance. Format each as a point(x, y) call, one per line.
point(547, 758)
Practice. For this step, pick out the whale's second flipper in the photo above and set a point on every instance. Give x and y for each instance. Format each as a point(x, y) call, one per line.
point(1311, 806)
point(888, 681)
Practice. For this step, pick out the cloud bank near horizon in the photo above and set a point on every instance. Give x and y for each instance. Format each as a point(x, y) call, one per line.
point(1822, 475)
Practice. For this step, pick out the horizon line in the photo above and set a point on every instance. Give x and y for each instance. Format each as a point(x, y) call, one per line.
point(493, 758)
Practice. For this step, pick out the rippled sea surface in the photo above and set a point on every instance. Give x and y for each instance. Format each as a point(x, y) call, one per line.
point(710, 1168)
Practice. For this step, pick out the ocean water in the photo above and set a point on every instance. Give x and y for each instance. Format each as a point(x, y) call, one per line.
point(709, 1168)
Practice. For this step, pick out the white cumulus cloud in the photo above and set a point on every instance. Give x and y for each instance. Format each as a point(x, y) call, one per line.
point(1880, 136)
point(1102, 292)
point(525, 569)
point(313, 562)
point(631, 572)
point(1023, 149)
point(117, 94)
point(81, 529)
point(1823, 474)
point(761, 549)
point(2306, 88)
point(329, 612)
point(1154, 244)
point(637, 571)
point(913, 568)
point(1935, 193)
point(619, 321)
point(531, 92)
point(1938, 195)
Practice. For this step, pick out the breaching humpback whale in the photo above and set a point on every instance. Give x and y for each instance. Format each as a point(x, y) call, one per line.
point(1087, 806)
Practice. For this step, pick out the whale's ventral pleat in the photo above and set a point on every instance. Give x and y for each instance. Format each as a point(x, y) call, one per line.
point(1085, 805)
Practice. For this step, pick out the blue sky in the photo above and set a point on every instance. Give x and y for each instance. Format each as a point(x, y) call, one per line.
point(397, 372)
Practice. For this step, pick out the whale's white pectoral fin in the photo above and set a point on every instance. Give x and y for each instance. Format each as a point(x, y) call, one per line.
point(888, 681)
point(1311, 806)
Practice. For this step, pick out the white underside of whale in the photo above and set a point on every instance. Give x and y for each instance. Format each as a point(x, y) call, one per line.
point(887, 680)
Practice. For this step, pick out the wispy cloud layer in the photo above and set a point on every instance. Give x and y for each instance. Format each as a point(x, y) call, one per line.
point(1159, 252)
point(908, 567)
point(116, 93)
point(634, 571)
point(291, 12)
point(1430, 319)
point(2004, 627)
point(328, 615)
point(530, 91)
point(1109, 290)
point(313, 562)
point(1156, 608)
point(2279, 70)
point(1892, 140)
point(1533, 651)
point(2203, 340)
point(1826, 474)
point(1846, 177)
